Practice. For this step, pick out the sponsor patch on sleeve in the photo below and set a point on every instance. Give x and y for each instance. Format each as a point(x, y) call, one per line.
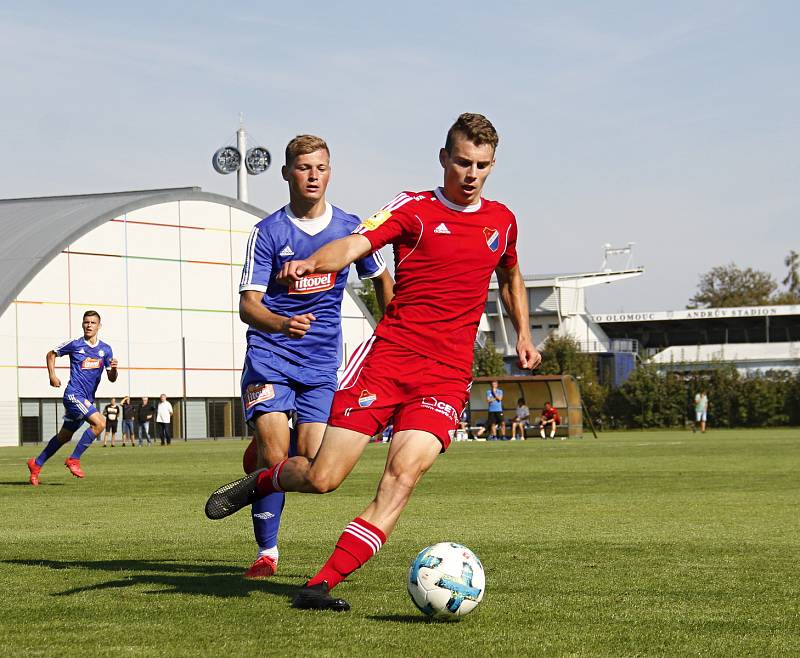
point(371, 223)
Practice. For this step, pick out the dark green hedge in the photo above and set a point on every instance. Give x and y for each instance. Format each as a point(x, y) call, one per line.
point(656, 399)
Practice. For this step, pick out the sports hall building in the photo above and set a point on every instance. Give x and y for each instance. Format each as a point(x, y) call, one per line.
point(162, 267)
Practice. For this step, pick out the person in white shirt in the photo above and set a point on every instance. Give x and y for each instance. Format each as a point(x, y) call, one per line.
point(520, 420)
point(164, 420)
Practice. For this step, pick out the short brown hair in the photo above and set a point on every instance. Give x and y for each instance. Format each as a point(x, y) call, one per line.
point(303, 145)
point(475, 127)
point(95, 313)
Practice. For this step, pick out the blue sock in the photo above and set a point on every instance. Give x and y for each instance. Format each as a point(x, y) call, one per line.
point(267, 511)
point(86, 440)
point(267, 519)
point(49, 450)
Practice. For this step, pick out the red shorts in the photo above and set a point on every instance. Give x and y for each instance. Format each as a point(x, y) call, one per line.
point(387, 384)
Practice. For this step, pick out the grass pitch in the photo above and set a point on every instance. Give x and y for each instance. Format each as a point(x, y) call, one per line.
point(639, 543)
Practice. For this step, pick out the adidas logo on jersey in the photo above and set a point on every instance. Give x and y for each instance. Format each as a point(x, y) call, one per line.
point(442, 229)
point(287, 251)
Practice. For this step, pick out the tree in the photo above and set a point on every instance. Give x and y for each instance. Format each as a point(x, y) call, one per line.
point(728, 285)
point(792, 281)
point(562, 355)
point(366, 293)
point(488, 362)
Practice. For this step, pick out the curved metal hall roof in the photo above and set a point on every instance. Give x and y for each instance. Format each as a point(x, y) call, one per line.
point(35, 230)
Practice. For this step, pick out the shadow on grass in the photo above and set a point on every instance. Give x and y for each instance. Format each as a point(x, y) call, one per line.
point(166, 577)
point(25, 483)
point(412, 619)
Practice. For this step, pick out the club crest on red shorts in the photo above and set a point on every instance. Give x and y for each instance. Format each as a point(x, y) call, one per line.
point(366, 398)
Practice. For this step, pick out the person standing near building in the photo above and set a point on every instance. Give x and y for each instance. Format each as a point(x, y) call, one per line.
point(700, 411)
point(294, 336)
point(88, 357)
point(164, 420)
point(494, 398)
point(111, 412)
point(128, 419)
point(144, 416)
point(416, 370)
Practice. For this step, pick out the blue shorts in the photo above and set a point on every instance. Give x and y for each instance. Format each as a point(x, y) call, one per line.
point(272, 383)
point(76, 410)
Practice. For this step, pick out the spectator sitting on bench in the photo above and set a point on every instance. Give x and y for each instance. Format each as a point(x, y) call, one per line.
point(463, 422)
point(480, 430)
point(549, 417)
point(520, 420)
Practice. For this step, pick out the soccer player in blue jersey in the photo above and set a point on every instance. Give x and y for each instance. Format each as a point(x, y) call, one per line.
point(294, 339)
point(88, 357)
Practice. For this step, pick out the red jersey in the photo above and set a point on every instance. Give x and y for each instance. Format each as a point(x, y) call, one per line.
point(444, 257)
point(551, 414)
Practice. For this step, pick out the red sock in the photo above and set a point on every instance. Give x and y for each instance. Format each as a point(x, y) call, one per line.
point(267, 481)
point(357, 544)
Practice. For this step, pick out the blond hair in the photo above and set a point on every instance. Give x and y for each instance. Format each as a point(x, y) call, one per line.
point(303, 145)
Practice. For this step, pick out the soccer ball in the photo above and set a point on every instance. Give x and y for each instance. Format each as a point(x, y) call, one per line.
point(446, 580)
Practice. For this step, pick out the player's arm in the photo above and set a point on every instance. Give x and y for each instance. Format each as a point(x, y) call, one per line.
point(384, 289)
point(332, 257)
point(253, 312)
point(515, 299)
point(55, 382)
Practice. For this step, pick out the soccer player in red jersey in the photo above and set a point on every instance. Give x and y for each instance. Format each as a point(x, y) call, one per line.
point(417, 368)
point(549, 418)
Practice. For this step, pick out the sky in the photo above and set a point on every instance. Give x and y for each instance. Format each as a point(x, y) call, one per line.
point(675, 126)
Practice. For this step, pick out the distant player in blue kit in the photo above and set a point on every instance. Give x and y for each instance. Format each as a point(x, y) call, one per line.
point(294, 339)
point(88, 357)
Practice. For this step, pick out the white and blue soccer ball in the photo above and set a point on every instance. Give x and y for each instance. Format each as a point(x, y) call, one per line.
point(446, 580)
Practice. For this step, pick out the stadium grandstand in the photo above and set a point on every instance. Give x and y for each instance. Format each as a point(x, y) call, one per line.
point(757, 338)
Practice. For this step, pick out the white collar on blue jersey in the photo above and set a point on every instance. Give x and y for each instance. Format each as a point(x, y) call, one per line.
point(311, 226)
point(454, 206)
point(95, 344)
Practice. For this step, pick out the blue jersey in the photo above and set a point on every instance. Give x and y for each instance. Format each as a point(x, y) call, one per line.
point(86, 364)
point(282, 237)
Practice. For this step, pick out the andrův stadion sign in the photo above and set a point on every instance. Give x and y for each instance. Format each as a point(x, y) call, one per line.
point(699, 314)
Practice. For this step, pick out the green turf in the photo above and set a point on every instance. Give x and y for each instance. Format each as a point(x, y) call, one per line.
point(635, 544)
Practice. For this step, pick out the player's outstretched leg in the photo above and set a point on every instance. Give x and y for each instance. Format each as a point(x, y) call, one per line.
point(411, 454)
point(355, 546)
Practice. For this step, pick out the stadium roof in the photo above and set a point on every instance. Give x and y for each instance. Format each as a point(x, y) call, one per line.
point(35, 230)
point(574, 280)
point(705, 326)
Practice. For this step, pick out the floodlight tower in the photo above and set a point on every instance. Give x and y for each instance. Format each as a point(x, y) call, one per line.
point(608, 250)
point(228, 159)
